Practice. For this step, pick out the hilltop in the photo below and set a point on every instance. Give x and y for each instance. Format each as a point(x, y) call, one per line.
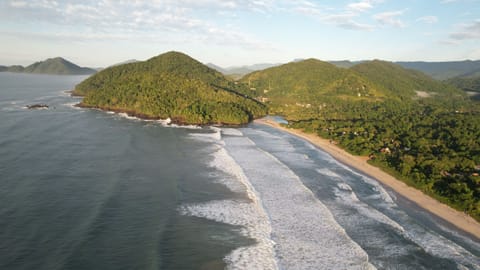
point(421, 130)
point(394, 80)
point(55, 66)
point(307, 81)
point(172, 85)
point(312, 82)
point(237, 72)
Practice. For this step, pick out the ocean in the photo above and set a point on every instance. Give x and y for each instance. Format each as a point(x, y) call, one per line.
point(87, 189)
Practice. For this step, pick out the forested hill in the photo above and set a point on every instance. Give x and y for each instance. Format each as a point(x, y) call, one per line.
point(171, 85)
point(468, 82)
point(55, 66)
point(310, 82)
point(423, 131)
point(394, 80)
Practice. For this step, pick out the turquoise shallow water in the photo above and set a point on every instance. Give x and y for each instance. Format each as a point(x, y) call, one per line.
point(85, 189)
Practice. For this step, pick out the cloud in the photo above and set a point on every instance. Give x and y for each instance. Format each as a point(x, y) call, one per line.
point(344, 17)
point(134, 20)
point(428, 19)
point(360, 6)
point(390, 18)
point(467, 31)
point(304, 7)
point(346, 21)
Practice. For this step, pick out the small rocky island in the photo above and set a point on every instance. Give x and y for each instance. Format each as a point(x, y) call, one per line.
point(37, 106)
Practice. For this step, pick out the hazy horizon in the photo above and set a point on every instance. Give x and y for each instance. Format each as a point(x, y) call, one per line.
point(237, 33)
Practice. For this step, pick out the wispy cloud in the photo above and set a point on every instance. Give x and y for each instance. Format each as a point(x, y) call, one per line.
point(428, 19)
point(346, 21)
point(345, 17)
point(139, 19)
point(467, 31)
point(390, 18)
point(360, 6)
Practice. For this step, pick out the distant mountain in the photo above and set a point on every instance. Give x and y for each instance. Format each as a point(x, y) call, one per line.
point(56, 65)
point(126, 62)
point(444, 70)
point(237, 72)
point(171, 85)
point(15, 68)
point(344, 63)
point(217, 68)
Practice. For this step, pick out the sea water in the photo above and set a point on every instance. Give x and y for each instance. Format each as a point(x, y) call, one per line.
point(86, 189)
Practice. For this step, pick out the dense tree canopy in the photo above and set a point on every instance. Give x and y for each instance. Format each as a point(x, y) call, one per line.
point(423, 131)
point(171, 85)
point(430, 140)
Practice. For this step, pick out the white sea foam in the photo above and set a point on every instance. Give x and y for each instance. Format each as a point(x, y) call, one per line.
point(431, 242)
point(305, 232)
point(66, 93)
point(163, 122)
point(328, 172)
point(231, 132)
point(317, 242)
point(441, 247)
point(181, 126)
point(248, 214)
point(213, 137)
point(72, 105)
point(346, 195)
point(125, 115)
point(380, 191)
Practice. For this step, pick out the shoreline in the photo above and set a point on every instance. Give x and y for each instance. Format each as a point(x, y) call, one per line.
point(454, 217)
point(171, 121)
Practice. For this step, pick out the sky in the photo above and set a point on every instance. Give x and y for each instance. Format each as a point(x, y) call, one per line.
point(229, 33)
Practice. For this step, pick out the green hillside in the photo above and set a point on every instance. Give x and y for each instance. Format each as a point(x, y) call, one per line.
point(312, 83)
point(308, 81)
point(171, 85)
point(54, 66)
point(466, 83)
point(395, 80)
point(420, 130)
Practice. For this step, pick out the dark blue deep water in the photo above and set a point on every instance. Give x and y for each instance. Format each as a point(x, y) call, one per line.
point(86, 189)
point(82, 189)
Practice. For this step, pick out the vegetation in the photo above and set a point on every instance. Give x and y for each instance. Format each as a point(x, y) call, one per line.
point(469, 83)
point(423, 131)
point(171, 85)
point(57, 66)
point(430, 141)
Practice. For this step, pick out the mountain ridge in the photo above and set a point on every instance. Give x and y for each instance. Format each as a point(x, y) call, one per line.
point(54, 66)
point(171, 85)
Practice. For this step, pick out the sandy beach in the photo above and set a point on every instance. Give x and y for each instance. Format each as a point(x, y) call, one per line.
point(454, 217)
